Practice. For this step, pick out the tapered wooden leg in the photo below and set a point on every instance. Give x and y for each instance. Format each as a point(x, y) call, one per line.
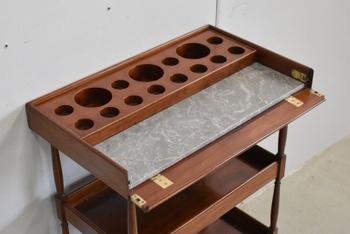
point(59, 183)
point(132, 218)
point(282, 138)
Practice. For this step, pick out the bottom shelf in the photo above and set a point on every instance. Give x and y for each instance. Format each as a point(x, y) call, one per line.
point(95, 208)
point(236, 222)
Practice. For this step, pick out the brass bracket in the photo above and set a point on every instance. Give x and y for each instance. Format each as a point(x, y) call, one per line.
point(294, 101)
point(162, 181)
point(138, 200)
point(299, 76)
point(316, 93)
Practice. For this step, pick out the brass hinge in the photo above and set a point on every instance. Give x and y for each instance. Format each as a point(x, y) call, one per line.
point(138, 200)
point(300, 76)
point(162, 181)
point(294, 101)
point(316, 93)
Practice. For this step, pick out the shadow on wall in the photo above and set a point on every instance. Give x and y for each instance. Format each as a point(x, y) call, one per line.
point(25, 178)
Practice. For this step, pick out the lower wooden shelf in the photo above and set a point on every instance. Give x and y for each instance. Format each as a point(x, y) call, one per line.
point(207, 205)
point(236, 222)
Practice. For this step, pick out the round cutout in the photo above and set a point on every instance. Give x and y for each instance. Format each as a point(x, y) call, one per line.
point(133, 100)
point(146, 72)
point(236, 50)
point(170, 61)
point(109, 112)
point(93, 97)
point(64, 110)
point(215, 40)
point(199, 68)
point(178, 78)
point(193, 51)
point(218, 59)
point(156, 89)
point(84, 124)
point(120, 84)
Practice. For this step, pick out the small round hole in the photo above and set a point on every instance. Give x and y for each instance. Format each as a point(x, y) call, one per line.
point(84, 124)
point(170, 61)
point(146, 72)
point(133, 100)
point(109, 112)
point(199, 68)
point(215, 40)
point(236, 50)
point(156, 89)
point(178, 78)
point(64, 110)
point(193, 51)
point(120, 84)
point(218, 59)
point(93, 97)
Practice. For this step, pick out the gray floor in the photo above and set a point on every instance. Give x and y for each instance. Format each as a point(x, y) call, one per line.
point(315, 199)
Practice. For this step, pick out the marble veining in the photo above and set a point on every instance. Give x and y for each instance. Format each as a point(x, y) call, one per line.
point(160, 141)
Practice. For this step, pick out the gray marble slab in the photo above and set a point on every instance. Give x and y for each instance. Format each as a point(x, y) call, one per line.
point(160, 141)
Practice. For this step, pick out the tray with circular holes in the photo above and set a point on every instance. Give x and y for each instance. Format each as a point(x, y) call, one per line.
point(118, 97)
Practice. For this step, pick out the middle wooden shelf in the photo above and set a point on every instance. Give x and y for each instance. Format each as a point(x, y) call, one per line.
point(189, 211)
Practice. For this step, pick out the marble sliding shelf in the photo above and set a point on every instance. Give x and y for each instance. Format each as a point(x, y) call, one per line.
point(157, 143)
point(104, 210)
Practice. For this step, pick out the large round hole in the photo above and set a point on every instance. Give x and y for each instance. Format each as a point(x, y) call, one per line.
point(178, 78)
point(109, 112)
point(120, 84)
point(199, 68)
point(64, 110)
point(156, 89)
point(170, 61)
point(215, 40)
point(93, 97)
point(193, 51)
point(236, 50)
point(84, 124)
point(218, 59)
point(146, 72)
point(133, 100)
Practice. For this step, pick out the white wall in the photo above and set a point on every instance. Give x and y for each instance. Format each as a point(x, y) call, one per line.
point(53, 43)
point(315, 33)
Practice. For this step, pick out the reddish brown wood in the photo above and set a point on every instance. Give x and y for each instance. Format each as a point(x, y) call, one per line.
point(57, 171)
point(132, 218)
point(81, 109)
point(204, 161)
point(59, 183)
point(83, 153)
point(274, 60)
point(282, 139)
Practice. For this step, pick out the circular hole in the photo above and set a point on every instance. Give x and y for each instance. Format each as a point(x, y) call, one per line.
point(215, 40)
point(236, 50)
point(64, 110)
point(218, 59)
point(193, 51)
point(133, 100)
point(93, 97)
point(179, 78)
point(199, 68)
point(170, 61)
point(146, 72)
point(109, 112)
point(120, 84)
point(156, 89)
point(84, 124)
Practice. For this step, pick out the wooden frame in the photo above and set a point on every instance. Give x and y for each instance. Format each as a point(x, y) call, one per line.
point(76, 139)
